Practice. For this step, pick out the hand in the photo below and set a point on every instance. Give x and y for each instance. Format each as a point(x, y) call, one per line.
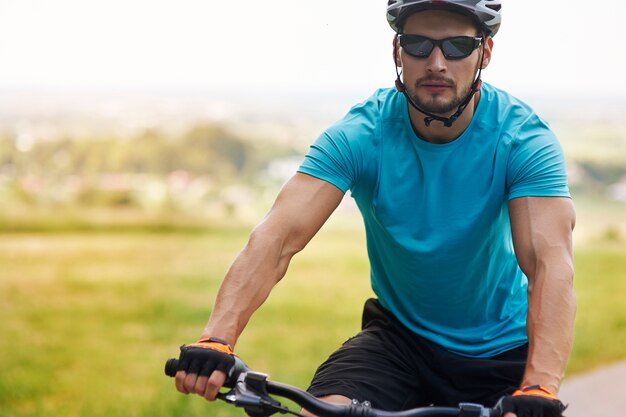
point(532, 401)
point(204, 366)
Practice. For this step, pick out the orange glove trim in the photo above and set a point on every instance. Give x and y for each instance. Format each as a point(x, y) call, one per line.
point(536, 391)
point(210, 344)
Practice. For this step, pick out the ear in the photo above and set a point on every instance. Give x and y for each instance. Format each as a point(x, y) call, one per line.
point(396, 52)
point(488, 50)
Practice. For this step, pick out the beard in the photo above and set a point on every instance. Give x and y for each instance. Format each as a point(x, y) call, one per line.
point(437, 103)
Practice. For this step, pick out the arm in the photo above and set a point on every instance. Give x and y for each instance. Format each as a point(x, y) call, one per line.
point(300, 210)
point(542, 236)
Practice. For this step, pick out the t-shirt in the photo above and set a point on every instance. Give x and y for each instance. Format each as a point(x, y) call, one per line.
point(436, 215)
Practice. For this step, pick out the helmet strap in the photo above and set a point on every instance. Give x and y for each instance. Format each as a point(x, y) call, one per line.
point(430, 117)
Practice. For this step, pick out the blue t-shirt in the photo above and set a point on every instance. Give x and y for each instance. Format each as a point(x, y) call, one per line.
point(436, 217)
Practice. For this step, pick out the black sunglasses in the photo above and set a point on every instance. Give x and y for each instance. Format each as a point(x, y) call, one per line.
point(457, 47)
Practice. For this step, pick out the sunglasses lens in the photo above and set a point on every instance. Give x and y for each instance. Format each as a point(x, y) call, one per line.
point(417, 46)
point(458, 47)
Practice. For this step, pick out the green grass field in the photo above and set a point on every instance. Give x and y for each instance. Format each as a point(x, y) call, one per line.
point(88, 319)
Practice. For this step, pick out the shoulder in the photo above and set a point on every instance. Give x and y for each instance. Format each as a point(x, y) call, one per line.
point(360, 129)
point(365, 116)
point(535, 163)
point(510, 115)
point(516, 123)
point(349, 148)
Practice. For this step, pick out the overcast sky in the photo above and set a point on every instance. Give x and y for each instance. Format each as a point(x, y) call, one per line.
point(544, 47)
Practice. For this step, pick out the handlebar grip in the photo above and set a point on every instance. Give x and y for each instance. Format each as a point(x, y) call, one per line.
point(171, 367)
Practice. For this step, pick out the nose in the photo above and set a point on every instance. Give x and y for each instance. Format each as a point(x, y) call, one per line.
point(436, 61)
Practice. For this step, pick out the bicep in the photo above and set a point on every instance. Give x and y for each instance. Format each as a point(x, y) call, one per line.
point(301, 208)
point(542, 231)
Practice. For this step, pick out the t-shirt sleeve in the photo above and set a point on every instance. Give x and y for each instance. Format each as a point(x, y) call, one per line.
point(339, 155)
point(537, 165)
point(330, 159)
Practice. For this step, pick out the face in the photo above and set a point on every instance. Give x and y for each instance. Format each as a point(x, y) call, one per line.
point(436, 84)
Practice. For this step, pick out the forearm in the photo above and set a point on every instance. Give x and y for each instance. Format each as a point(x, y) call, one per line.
point(542, 236)
point(247, 284)
point(550, 322)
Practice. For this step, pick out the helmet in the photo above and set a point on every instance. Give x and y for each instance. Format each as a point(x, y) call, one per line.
point(485, 12)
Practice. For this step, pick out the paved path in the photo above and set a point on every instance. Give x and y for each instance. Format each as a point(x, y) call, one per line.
point(600, 393)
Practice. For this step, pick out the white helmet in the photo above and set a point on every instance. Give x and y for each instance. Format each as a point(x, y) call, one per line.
point(485, 12)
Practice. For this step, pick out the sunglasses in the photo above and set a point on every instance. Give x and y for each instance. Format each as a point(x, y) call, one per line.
point(457, 47)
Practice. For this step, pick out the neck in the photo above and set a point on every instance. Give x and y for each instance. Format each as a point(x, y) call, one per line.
point(437, 132)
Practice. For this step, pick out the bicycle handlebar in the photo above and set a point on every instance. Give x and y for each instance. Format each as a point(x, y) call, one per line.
point(171, 367)
point(251, 391)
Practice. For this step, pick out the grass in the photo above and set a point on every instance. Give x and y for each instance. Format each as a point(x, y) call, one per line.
point(601, 318)
point(87, 319)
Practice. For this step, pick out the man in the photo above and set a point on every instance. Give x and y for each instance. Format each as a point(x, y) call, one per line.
point(468, 219)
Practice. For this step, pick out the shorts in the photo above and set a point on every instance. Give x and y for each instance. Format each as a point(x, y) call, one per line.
point(395, 369)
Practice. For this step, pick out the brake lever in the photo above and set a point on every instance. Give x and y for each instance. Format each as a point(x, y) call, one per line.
point(250, 393)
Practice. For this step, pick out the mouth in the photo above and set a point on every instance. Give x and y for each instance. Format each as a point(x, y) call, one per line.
point(431, 88)
point(435, 86)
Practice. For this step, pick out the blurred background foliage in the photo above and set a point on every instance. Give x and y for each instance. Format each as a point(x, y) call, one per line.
point(206, 169)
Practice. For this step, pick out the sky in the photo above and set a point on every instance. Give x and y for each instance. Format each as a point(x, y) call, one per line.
point(556, 47)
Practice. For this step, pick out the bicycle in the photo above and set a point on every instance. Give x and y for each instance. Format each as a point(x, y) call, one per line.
point(252, 391)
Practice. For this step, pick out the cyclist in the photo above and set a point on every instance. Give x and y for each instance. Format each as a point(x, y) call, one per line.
point(468, 218)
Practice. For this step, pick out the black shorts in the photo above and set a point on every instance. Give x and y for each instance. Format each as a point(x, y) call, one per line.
point(395, 369)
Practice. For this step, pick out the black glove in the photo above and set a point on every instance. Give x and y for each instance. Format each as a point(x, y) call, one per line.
point(206, 356)
point(532, 401)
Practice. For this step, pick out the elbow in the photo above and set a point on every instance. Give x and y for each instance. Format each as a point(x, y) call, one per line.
point(556, 272)
point(274, 247)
